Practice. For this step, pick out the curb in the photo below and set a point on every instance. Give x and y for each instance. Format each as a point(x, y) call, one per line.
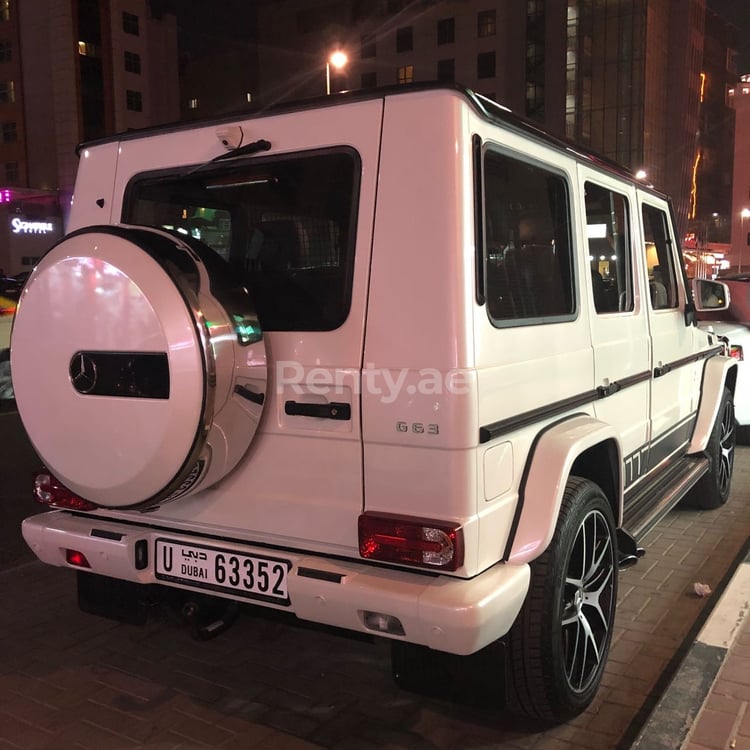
point(670, 723)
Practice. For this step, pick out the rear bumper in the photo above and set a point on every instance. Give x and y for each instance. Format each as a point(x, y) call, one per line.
point(449, 614)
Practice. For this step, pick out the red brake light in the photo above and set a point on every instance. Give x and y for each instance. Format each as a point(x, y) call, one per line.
point(735, 352)
point(74, 557)
point(7, 306)
point(410, 541)
point(48, 491)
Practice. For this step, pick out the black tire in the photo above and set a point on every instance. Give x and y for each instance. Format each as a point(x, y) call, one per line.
point(743, 433)
point(712, 490)
point(558, 646)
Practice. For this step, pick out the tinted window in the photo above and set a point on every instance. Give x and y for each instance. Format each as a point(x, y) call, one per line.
point(284, 227)
point(610, 251)
point(662, 281)
point(527, 242)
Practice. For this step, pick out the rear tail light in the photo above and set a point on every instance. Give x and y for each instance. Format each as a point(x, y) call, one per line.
point(48, 491)
point(735, 352)
point(410, 541)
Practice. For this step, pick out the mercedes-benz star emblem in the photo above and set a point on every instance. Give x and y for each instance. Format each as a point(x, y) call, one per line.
point(83, 373)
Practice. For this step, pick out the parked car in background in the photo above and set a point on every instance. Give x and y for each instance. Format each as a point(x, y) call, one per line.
point(10, 286)
point(7, 309)
point(10, 291)
point(733, 325)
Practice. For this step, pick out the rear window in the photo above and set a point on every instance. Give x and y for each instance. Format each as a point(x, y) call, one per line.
point(284, 227)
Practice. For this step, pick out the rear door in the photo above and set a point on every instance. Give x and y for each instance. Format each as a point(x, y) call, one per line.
point(619, 320)
point(294, 223)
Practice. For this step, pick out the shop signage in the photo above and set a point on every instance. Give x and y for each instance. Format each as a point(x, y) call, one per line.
point(20, 226)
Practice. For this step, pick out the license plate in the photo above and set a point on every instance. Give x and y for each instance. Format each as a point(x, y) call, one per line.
point(227, 570)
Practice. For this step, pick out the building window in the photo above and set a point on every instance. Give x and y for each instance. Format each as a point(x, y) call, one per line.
point(193, 104)
point(6, 51)
point(446, 31)
point(486, 25)
point(7, 92)
point(133, 62)
point(486, 65)
point(406, 74)
point(446, 71)
point(11, 171)
point(10, 135)
point(134, 100)
point(130, 23)
point(404, 39)
point(4, 10)
point(87, 49)
point(369, 80)
point(367, 46)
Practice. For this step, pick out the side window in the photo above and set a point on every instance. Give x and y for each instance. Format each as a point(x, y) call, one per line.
point(529, 267)
point(610, 250)
point(662, 280)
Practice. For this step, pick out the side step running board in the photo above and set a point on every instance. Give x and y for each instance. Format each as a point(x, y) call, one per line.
point(659, 495)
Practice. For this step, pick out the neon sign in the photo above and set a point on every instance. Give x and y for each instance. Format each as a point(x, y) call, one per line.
point(19, 226)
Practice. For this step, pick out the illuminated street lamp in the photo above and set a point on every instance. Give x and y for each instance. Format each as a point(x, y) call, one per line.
point(338, 59)
point(745, 213)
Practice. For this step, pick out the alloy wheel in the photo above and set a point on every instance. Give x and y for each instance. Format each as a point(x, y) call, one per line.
point(588, 601)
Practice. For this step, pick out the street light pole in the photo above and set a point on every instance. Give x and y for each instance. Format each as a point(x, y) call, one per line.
point(338, 59)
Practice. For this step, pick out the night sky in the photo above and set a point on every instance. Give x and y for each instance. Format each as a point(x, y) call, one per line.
point(738, 13)
point(206, 23)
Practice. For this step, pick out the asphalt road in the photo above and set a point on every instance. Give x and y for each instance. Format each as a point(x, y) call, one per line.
point(18, 461)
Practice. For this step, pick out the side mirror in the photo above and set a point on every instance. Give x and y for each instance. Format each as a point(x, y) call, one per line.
point(710, 296)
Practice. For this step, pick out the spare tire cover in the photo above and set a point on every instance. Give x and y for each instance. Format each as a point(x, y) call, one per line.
point(133, 381)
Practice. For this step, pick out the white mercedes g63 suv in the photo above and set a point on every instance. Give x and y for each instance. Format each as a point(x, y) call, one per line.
point(398, 362)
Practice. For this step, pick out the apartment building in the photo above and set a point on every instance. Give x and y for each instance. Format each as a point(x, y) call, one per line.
point(622, 77)
point(71, 70)
point(740, 210)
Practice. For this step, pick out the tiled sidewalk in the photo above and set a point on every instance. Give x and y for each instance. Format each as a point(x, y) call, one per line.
point(724, 720)
point(71, 681)
point(707, 704)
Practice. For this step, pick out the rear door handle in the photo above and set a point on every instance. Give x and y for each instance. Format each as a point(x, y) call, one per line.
point(332, 410)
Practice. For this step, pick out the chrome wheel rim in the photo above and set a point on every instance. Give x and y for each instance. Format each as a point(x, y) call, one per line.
point(726, 449)
point(588, 601)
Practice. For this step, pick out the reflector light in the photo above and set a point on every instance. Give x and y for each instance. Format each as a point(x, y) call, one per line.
point(410, 541)
point(383, 623)
point(48, 491)
point(74, 557)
